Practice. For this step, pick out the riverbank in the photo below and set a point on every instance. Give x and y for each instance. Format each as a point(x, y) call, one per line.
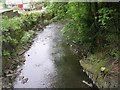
point(102, 69)
point(34, 24)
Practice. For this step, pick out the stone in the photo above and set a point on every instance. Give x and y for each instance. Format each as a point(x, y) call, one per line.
point(9, 75)
point(102, 69)
point(83, 70)
point(24, 80)
point(21, 77)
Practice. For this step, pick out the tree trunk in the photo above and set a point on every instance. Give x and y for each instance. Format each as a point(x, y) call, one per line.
point(96, 39)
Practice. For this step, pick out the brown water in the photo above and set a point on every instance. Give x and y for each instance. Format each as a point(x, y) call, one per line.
point(50, 63)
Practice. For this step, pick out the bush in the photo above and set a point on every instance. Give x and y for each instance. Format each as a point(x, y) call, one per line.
point(16, 31)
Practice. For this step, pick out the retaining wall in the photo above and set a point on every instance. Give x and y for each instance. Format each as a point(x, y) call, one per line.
point(9, 13)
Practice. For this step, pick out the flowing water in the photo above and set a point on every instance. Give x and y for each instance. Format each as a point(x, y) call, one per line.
point(50, 63)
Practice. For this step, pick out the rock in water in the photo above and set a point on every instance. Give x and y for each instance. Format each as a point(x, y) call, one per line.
point(24, 80)
point(20, 70)
point(21, 77)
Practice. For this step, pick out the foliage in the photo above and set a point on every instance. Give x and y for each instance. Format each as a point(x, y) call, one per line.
point(115, 53)
point(30, 19)
point(78, 25)
point(58, 9)
point(92, 24)
point(17, 31)
point(26, 37)
point(104, 16)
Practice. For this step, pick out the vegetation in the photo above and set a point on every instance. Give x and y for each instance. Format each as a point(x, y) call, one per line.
point(17, 35)
point(93, 28)
point(17, 31)
point(89, 25)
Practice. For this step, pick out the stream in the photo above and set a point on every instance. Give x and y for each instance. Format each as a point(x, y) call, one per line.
point(50, 63)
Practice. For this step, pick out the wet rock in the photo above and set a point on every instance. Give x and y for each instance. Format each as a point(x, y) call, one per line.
point(83, 70)
point(24, 80)
point(9, 84)
point(23, 60)
point(9, 72)
point(89, 77)
point(14, 76)
point(37, 29)
point(17, 73)
point(19, 70)
point(9, 75)
point(93, 82)
point(71, 45)
point(21, 77)
point(18, 66)
point(21, 53)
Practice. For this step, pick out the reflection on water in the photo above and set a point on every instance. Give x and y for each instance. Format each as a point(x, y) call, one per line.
point(50, 63)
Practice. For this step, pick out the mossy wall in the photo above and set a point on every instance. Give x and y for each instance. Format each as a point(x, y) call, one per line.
point(103, 79)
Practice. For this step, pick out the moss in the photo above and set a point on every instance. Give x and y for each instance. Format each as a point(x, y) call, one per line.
point(103, 79)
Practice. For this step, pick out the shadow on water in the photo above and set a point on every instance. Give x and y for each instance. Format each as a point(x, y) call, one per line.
point(50, 63)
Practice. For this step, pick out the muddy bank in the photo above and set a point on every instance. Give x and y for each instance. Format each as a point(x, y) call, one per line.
point(103, 71)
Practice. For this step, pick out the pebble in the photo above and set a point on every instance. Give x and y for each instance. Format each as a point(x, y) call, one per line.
point(93, 82)
point(89, 77)
point(9, 84)
point(83, 70)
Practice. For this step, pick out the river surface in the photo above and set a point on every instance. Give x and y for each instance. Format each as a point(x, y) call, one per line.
point(50, 63)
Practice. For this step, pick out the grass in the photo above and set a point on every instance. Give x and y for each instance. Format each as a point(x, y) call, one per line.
point(93, 64)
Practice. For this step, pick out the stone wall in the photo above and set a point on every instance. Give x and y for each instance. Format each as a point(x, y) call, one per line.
point(9, 13)
point(99, 78)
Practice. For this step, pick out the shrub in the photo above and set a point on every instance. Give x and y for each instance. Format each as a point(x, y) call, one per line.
point(16, 31)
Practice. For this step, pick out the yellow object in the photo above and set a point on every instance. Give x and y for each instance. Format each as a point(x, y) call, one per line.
point(102, 69)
